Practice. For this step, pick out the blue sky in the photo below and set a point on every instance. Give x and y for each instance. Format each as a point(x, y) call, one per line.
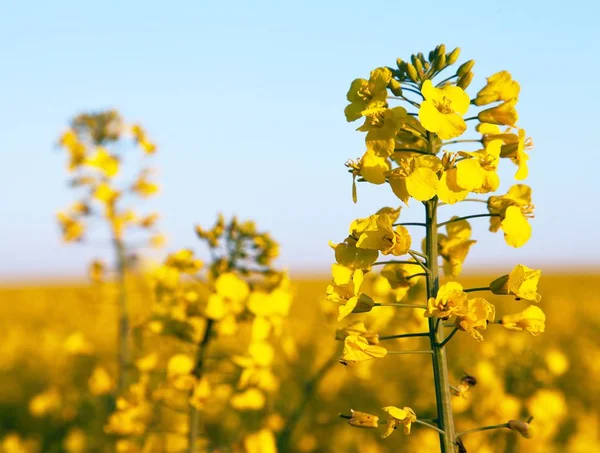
point(246, 99)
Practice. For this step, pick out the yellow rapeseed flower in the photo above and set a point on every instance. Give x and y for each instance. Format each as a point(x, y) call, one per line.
point(357, 349)
point(441, 111)
point(500, 87)
point(104, 161)
point(405, 417)
point(345, 290)
point(365, 96)
point(531, 320)
point(363, 420)
point(450, 300)
point(349, 255)
point(454, 246)
point(517, 229)
point(478, 313)
point(503, 114)
point(521, 282)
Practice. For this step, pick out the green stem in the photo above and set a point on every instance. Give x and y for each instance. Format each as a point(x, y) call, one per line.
point(482, 428)
point(448, 338)
point(422, 422)
point(411, 150)
point(123, 329)
point(197, 372)
point(476, 200)
point(414, 252)
point(425, 268)
point(391, 304)
point(410, 224)
point(422, 274)
point(474, 216)
point(284, 437)
point(409, 352)
point(404, 335)
point(460, 141)
point(447, 79)
point(383, 263)
point(439, 361)
point(471, 290)
point(471, 118)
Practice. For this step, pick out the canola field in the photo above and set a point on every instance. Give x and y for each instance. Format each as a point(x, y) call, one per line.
point(58, 366)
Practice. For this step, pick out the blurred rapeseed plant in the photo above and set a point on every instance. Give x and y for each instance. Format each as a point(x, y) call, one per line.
point(97, 149)
point(411, 149)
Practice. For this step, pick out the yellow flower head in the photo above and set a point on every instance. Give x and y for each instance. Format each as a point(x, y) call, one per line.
point(532, 320)
point(500, 87)
point(478, 172)
point(441, 111)
point(357, 349)
point(349, 255)
point(517, 229)
point(450, 300)
point(104, 161)
point(143, 187)
point(415, 177)
point(345, 290)
point(503, 114)
point(72, 229)
point(478, 313)
point(381, 126)
point(184, 261)
point(357, 328)
point(521, 282)
point(140, 136)
point(367, 96)
point(405, 416)
point(363, 420)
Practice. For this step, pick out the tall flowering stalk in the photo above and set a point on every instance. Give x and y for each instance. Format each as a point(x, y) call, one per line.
point(413, 124)
point(96, 145)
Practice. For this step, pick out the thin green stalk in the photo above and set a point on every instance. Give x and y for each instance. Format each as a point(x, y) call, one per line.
point(448, 338)
point(123, 328)
point(383, 263)
point(197, 372)
point(447, 79)
point(391, 304)
point(424, 423)
point(461, 141)
point(285, 436)
point(473, 216)
point(411, 150)
point(409, 352)
point(475, 200)
point(471, 290)
point(404, 335)
point(410, 224)
point(425, 268)
point(421, 274)
point(439, 361)
point(482, 428)
point(422, 255)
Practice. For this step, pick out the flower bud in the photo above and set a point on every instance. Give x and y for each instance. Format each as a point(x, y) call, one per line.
point(500, 286)
point(523, 428)
point(363, 420)
point(419, 66)
point(440, 62)
point(452, 56)
point(465, 68)
point(441, 51)
point(465, 80)
point(412, 72)
point(400, 64)
point(395, 87)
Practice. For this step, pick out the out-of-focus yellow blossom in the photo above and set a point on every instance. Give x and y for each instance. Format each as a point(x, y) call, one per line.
point(397, 276)
point(140, 136)
point(503, 114)
point(450, 300)
point(557, 362)
point(357, 328)
point(230, 295)
point(517, 230)
point(106, 194)
point(72, 229)
point(75, 148)
point(158, 240)
point(250, 399)
point(522, 282)
point(345, 290)
point(104, 161)
point(184, 261)
point(147, 363)
point(262, 441)
point(441, 111)
point(126, 446)
point(75, 441)
point(454, 246)
point(368, 96)
point(45, 403)
point(357, 349)
point(133, 412)
point(100, 382)
point(149, 220)
point(77, 344)
point(363, 420)
point(415, 177)
point(500, 87)
point(180, 364)
point(143, 186)
point(478, 313)
point(405, 417)
point(200, 394)
point(97, 271)
point(13, 443)
point(532, 320)
point(549, 409)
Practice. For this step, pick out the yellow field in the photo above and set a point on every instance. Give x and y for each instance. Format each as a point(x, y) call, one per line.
point(553, 377)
